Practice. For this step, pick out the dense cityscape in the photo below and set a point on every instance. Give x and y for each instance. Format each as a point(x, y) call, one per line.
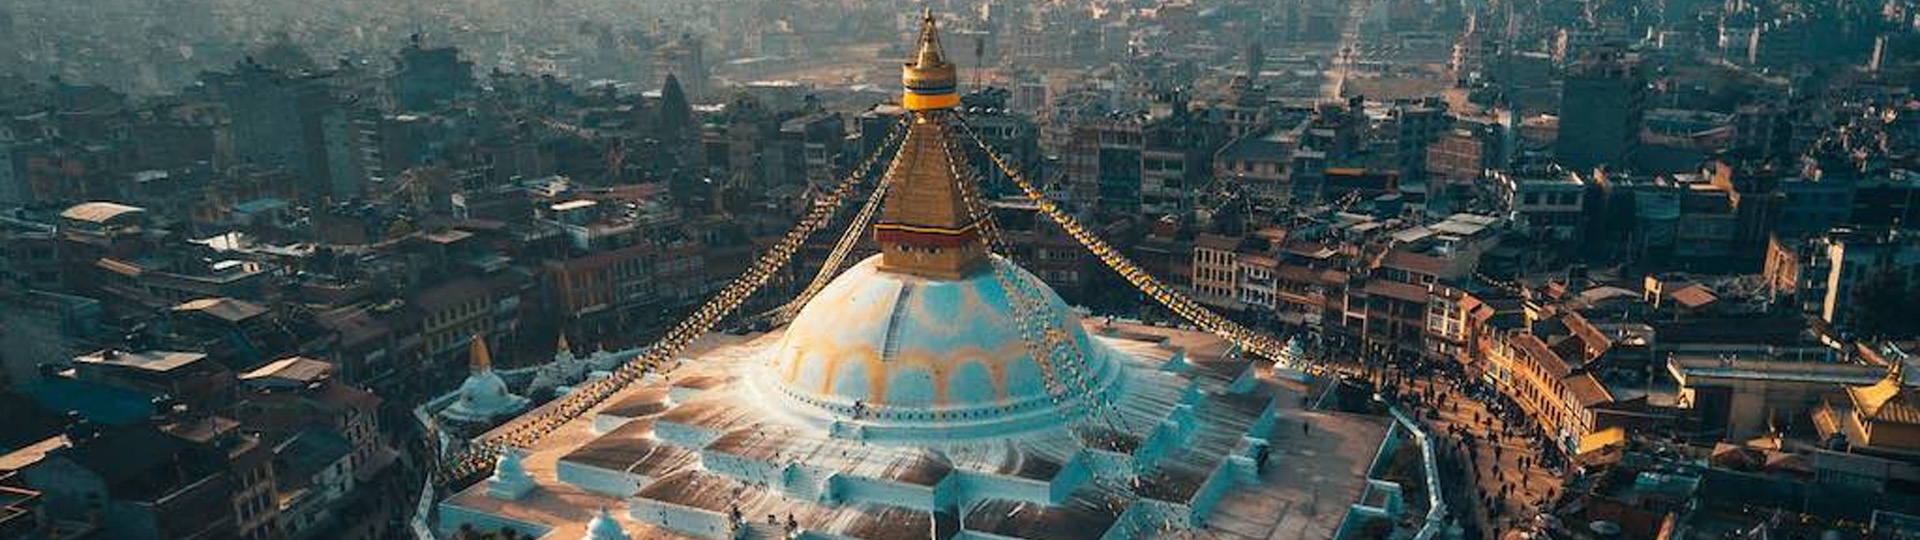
point(960, 269)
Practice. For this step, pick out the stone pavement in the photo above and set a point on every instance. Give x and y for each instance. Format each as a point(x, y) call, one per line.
point(1312, 479)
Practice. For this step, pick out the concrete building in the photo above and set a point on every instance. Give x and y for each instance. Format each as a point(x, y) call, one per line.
point(1547, 203)
point(137, 483)
point(294, 122)
point(1215, 270)
point(1602, 107)
point(1739, 398)
point(1260, 164)
point(1176, 159)
point(1887, 261)
point(1551, 388)
point(428, 76)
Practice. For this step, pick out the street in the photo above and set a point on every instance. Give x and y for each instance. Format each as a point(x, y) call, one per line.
point(1485, 443)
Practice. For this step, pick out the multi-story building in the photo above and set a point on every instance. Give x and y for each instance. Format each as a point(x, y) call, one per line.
point(1115, 146)
point(137, 483)
point(249, 460)
point(187, 378)
point(809, 150)
point(1883, 262)
point(425, 77)
point(1455, 318)
point(1602, 108)
point(1548, 203)
point(1015, 137)
point(1403, 132)
point(451, 313)
point(1260, 164)
point(1049, 252)
point(1708, 228)
point(286, 397)
point(1549, 388)
point(1176, 159)
point(290, 121)
point(1457, 160)
point(1216, 270)
point(1813, 205)
point(605, 291)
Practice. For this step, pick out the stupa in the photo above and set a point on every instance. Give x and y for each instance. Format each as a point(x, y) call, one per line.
point(935, 390)
point(483, 398)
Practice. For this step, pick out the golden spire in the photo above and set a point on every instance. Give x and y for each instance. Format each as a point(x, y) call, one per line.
point(931, 81)
point(563, 347)
point(477, 354)
point(927, 227)
point(929, 54)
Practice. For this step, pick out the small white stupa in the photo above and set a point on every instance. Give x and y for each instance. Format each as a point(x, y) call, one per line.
point(1292, 357)
point(483, 398)
point(510, 480)
point(563, 370)
point(603, 527)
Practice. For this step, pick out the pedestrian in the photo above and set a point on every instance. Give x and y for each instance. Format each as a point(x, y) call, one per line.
point(1305, 428)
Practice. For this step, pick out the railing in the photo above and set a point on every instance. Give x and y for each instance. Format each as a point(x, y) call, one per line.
point(1435, 521)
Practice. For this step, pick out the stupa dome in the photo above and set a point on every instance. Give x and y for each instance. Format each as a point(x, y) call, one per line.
point(901, 355)
point(483, 397)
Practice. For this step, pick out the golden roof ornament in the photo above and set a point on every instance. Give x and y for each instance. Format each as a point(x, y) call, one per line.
point(931, 81)
point(927, 227)
point(477, 354)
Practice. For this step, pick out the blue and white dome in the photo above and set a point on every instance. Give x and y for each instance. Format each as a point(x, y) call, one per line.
point(913, 356)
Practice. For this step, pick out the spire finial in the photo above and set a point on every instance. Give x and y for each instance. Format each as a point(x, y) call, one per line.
point(929, 54)
point(930, 79)
point(477, 353)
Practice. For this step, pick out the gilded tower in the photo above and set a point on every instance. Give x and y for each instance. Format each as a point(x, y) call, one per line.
point(927, 228)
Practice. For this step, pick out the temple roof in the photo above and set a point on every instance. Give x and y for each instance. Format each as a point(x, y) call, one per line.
point(1887, 401)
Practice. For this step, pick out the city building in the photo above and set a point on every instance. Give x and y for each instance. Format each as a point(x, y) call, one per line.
point(1603, 103)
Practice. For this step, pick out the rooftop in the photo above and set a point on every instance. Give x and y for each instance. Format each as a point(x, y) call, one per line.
point(227, 309)
point(297, 370)
point(99, 211)
point(155, 361)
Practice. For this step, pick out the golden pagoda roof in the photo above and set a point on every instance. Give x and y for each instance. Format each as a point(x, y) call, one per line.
point(1888, 400)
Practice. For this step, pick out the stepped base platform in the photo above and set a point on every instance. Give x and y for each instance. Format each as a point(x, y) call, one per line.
point(707, 453)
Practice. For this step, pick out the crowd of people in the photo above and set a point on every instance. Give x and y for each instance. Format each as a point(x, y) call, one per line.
point(1485, 440)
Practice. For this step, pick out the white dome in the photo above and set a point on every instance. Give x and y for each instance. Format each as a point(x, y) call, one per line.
point(483, 397)
point(914, 356)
